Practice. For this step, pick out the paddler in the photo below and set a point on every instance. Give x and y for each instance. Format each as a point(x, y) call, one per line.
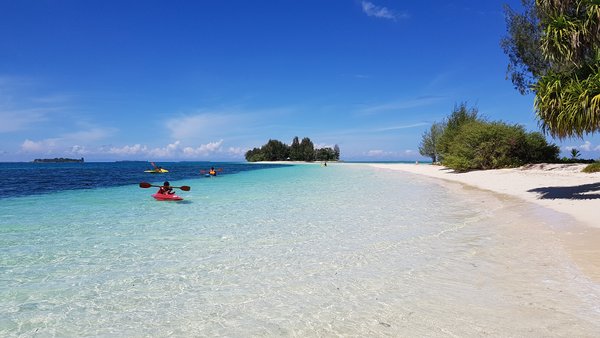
point(166, 189)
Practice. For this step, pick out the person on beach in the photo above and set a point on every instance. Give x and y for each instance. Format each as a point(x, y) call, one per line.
point(166, 189)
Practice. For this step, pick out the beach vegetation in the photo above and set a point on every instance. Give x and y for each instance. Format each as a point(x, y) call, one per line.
point(325, 154)
point(461, 114)
point(295, 151)
point(554, 51)
point(275, 150)
point(307, 150)
point(494, 145)
point(470, 142)
point(429, 146)
point(592, 168)
point(575, 154)
point(566, 160)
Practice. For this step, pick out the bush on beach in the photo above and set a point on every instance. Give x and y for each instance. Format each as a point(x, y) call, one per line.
point(469, 142)
point(494, 145)
point(592, 168)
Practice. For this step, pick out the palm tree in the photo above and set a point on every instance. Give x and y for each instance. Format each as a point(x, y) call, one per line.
point(568, 96)
point(575, 154)
point(566, 74)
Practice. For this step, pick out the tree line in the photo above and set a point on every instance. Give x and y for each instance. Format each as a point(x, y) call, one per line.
point(275, 150)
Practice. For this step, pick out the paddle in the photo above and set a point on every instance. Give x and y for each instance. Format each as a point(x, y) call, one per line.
point(148, 185)
point(157, 169)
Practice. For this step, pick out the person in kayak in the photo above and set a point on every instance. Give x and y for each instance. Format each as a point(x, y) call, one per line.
point(212, 171)
point(166, 189)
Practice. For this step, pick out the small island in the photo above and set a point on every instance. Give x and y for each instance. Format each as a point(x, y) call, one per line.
point(58, 160)
point(275, 150)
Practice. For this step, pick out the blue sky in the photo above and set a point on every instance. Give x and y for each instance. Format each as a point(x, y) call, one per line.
point(208, 80)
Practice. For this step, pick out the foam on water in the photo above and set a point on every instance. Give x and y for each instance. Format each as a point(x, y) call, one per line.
point(303, 250)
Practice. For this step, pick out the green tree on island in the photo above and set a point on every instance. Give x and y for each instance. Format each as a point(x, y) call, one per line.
point(307, 150)
point(295, 151)
point(554, 51)
point(275, 150)
point(336, 152)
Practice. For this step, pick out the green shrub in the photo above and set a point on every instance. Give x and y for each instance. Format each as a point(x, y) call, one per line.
point(450, 128)
point(592, 168)
point(538, 149)
point(493, 145)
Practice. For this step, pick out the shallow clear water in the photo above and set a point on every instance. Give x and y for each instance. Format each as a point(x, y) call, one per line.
point(292, 251)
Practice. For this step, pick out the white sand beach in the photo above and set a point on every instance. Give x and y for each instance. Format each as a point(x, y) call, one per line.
point(561, 187)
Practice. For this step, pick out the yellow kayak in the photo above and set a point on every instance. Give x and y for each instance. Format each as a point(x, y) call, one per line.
point(156, 171)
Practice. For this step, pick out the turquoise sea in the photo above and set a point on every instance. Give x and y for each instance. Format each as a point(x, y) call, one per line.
point(303, 250)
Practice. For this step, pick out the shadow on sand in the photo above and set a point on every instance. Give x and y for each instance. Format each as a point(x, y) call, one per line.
point(578, 192)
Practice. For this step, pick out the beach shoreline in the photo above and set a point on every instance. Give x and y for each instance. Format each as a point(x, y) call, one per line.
point(565, 198)
point(559, 187)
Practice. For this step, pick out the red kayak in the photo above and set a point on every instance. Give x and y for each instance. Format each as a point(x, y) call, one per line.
point(167, 197)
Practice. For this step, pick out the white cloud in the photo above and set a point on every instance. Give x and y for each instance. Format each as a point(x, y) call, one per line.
point(237, 151)
point(400, 105)
point(69, 143)
point(378, 153)
point(202, 125)
point(78, 150)
point(135, 149)
point(414, 125)
point(43, 146)
point(597, 148)
point(15, 120)
point(204, 149)
point(586, 146)
point(169, 151)
point(323, 145)
point(381, 12)
point(172, 150)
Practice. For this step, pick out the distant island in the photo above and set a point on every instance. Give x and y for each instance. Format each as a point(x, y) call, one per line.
point(276, 150)
point(58, 160)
